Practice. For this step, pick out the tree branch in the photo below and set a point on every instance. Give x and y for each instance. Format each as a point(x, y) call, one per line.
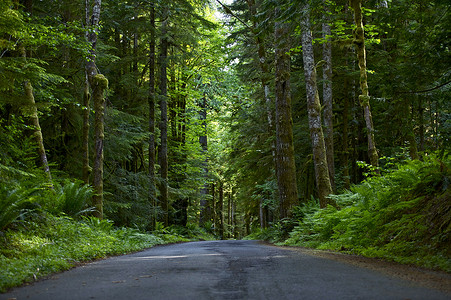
point(230, 12)
point(427, 90)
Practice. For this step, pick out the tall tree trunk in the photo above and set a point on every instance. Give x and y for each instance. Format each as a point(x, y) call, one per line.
point(233, 217)
point(228, 220)
point(265, 76)
point(345, 156)
point(98, 84)
point(265, 79)
point(151, 101)
point(86, 169)
point(364, 98)
point(163, 151)
point(204, 215)
point(314, 113)
point(220, 211)
point(31, 109)
point(410, 134)
point(285, 164)
point(213, 207)
point(421, 122)
point(327, 97)
point(32, 113)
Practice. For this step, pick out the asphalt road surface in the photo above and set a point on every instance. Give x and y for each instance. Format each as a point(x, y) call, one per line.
point(221, 270)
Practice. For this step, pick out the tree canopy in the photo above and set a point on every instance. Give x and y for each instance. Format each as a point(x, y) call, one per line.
point(231, 115)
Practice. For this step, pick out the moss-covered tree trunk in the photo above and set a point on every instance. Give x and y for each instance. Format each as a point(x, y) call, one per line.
point(364, 98)
point(421, 126)
point(285, 164)
point(314, 113)
point(345, 149)
point(32, 112)
point(265, 79)
point(86, 171)
point(328, 97)
point(99, 84)
point(163, 150)
point(409, 132)
point(86, 168)
point(204, 215)
point(151, 102)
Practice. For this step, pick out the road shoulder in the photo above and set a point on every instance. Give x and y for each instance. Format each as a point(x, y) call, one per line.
point(438, 280)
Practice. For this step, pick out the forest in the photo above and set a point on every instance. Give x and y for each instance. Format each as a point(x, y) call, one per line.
point(316, 123)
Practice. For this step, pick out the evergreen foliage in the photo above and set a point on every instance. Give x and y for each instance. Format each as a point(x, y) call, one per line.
point(74, 198)
point(404, 215)
point(12, 204)
point(222, 166)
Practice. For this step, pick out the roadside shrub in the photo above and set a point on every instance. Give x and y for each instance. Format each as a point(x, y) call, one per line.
point(404, 215)
point(35, 249)
point(12, 203)
point(74, 198)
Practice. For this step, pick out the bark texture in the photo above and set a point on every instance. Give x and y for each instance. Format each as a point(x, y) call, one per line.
point(99, 86)
point(163, 150)
point(265, 79)
point(37, 134)
point(364, 98)
point(314, 113)
point(203, 141)
point(345, 149)
point(31, 111)
point(220, 211)
point(85, 132)
point(328, 99)
point(285, 164)
point(151, 102)
point(86, 169)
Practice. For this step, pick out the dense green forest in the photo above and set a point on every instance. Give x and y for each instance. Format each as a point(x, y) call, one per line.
point(317, 123)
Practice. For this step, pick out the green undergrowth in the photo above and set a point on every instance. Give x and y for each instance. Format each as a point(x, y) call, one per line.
point(44, 245)
point(404, 216)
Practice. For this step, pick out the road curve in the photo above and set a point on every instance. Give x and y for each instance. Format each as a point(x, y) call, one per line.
point(221, 270)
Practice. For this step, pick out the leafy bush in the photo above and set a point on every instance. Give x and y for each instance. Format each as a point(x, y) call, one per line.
point(404, 215)
point(12, 203)
point(271, 234)
point(74, 198)
point(98, 224)
point(39, 247)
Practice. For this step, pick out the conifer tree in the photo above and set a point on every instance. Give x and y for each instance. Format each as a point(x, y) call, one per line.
point(364, 98)
point(163, 101)
point(98, 84)
point(314, 112)
point(286, 168)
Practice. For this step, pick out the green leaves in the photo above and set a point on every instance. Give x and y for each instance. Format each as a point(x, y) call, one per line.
point(56, 244)
point(12, 203)
point(75, 198)
point(402, 216)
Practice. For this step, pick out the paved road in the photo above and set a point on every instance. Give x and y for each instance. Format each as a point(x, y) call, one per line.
point(221, 270)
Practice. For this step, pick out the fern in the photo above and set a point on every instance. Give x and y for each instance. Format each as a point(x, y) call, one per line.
point(12, 203)
point(404, 215)
point(74, 198)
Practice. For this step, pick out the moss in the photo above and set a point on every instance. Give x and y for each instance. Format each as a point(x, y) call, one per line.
point(364, 100)
point(101, 81)
point(358, 36)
